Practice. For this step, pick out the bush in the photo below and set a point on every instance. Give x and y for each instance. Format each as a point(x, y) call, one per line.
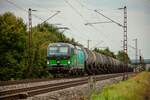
point(132, 89)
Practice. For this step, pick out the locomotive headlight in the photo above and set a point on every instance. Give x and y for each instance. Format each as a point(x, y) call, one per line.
point(69, 62)
point(58, 62)
point(47, 62)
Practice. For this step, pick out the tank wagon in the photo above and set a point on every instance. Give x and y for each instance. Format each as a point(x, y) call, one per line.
point(67, 58)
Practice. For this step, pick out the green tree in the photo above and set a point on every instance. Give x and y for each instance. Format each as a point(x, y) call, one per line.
point(12, 46)
point(43, 35)
point(121, 56)
point(106, 52)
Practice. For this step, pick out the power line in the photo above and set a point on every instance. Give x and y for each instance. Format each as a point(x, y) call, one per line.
point(51, 17)
point(49, 10)
point(97, 22)
point(74, 9)
point(109, 18)
point(56, 12)
point(19, 7)
point(82, 5)
point(90, 24)
point(75, 29)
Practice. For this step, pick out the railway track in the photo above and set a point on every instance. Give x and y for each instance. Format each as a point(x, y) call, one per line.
point(15, 82)
point(23, 93)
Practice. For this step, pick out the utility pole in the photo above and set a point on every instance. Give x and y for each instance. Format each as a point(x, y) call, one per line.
point(136, 51)
point(125, 41)
point(124, 26)
point(30, 42)
point(91, 78)
point(88, 44)
point(50, 17)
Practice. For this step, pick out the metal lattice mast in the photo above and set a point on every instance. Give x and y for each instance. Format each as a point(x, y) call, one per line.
point(125, 41)
point(29, 41)
point(125, 44)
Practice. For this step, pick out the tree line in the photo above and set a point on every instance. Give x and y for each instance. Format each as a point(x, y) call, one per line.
point(121, 55)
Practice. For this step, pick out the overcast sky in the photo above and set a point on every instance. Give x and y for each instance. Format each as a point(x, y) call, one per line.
point(76, 13)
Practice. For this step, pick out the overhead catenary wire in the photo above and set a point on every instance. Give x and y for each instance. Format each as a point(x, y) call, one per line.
point(51, 17)
point(90, 24)
point(83, 17)
point(45, 8)
point(56, 12)
point(82, 5)
point(75, 29)
point(71, 25)
point(74, 9)
point(109, 18)
point(61, 17)
point(19, 7)
point(43, 20)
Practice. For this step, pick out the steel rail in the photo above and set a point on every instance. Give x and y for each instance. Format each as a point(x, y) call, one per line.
point(31, 91)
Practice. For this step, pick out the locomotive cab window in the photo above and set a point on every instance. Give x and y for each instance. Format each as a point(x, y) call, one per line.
point(58, 50)
point(53, 50)
point(63, 50)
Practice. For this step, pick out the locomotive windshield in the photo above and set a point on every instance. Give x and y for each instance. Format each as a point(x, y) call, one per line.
point(63, 50)
point(58, 50)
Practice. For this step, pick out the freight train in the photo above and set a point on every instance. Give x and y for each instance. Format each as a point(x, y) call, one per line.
point(72, 59)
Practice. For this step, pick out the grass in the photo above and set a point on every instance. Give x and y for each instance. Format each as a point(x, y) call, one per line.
point(135, 88)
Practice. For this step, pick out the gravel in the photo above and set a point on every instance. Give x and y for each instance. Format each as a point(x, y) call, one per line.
point(25, 85)
point(81, 92)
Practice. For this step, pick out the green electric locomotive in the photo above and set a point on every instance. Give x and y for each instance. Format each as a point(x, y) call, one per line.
point(65, 58)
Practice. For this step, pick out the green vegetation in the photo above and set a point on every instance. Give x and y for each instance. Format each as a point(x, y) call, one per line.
point(14, 47)
point(136, 88)
point(120, 55)
point(106, 52)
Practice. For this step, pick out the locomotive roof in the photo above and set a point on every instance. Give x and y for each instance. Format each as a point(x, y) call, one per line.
point(61, 44)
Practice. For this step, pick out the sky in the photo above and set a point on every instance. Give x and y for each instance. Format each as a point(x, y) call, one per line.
point(74, 14)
